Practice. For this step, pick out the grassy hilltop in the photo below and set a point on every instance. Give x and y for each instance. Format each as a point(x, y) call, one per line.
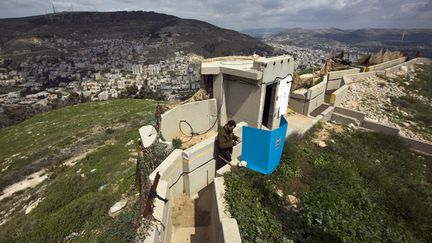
point(74, 198)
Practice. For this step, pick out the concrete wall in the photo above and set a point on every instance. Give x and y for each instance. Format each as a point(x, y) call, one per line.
point(338, 96)
point(224, 228)
point(334, 79)
point(304, 101)
point(409, 65)
point(170, 186)
point(243, 101)
point(275, 67)
point(378, 127)
point(201, 115)
point(189, 172)
point(385, 65)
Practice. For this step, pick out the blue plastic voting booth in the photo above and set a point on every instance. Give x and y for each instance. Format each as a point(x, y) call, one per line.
point(262, 149)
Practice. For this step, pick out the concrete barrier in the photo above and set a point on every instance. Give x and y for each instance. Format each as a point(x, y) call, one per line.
point(409, 65)
point(171, 171)
point(417, 145)
point(360, 116)
point(224, 227)
point(338, 96)
point(385, 65)
point(304, 101)
point(347, 79)
point(378, 127)
point(334, 79)
point(201, 115)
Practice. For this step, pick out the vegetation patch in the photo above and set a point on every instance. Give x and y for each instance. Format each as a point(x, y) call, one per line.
point(360, 187)
point(76, 199)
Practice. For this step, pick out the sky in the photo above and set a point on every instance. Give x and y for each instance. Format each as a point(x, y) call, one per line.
point(251, 14)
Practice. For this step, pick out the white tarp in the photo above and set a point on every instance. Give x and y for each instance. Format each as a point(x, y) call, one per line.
point(284, 92)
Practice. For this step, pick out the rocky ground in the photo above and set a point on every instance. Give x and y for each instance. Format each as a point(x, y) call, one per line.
point(376, 97)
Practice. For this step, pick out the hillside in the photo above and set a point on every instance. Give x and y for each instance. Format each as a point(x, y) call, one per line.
point(147, 27)
point(369, 39)
point(80, 160)
point(337, 184)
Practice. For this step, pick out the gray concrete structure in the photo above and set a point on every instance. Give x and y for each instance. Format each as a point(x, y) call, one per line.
point(247, 90)
point(201, 115)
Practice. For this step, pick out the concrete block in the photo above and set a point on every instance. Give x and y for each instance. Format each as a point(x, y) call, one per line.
point(299, 93)
point(297, 105)
point(333, 84)
point(387, 64)
point(378, 127)
point(316, 90)
point(338, 96)
point(342, 119)
point(200, 178)
point(230, 231)
point(175, 158)
point(171, 170)
point(225, 169)
point(327, 114)
point(314, 103)
point(417, 145)
point(339, 74)
point(360, 116)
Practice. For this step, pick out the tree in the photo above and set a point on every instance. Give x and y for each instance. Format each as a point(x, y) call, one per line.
point(74, 98)
point(130, 91)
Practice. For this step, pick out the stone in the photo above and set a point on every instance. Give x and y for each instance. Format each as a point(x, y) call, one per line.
point(117, 207)
point(279, 192)
point(292, 200)
point(130, 143)
point(322, 144)
point(103, 187)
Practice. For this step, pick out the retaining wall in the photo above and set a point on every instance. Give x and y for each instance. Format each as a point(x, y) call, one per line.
point(201, 115)
point(334, 79)
point(409, 65)
point(385, 65)
point(304, 101)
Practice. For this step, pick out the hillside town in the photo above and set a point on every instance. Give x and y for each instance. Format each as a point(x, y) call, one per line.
point(100, 71)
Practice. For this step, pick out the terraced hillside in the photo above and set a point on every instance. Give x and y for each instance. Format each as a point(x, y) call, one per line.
point(73, 164)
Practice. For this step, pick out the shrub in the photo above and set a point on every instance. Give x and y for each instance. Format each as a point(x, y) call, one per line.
point(177, 143)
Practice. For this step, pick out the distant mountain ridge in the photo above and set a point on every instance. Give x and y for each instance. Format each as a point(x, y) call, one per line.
point(198, 36)
point(369, 39)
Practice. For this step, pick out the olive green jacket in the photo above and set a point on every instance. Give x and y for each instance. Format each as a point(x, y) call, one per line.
point(226, 140)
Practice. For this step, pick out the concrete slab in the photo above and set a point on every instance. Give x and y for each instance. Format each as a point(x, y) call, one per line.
point(148, 135)
point(297, 123)
point(230, 231)
point(200, 178)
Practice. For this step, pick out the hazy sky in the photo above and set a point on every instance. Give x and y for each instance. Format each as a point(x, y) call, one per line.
point(247, 14)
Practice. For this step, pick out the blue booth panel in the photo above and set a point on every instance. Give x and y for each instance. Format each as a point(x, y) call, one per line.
point(262, 149)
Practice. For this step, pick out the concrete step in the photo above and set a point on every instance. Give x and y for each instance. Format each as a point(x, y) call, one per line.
point(191, 234)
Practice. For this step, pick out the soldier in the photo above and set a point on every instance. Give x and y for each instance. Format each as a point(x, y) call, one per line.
point(227, 140)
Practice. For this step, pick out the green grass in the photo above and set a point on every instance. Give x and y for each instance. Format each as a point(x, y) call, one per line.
point(5, 90)
point(364, 187)
point(39, 140)
point(73, 203)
